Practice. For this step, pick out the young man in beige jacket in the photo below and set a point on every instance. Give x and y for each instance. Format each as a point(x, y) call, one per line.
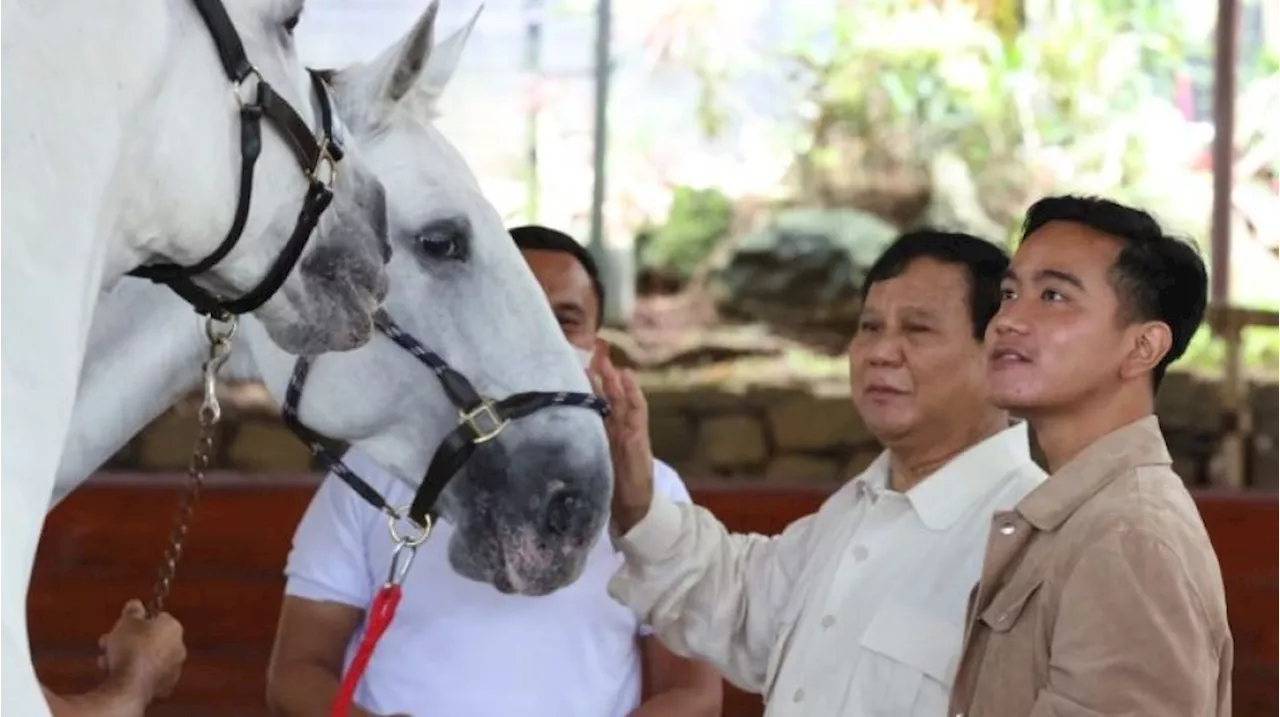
point(1100, 593)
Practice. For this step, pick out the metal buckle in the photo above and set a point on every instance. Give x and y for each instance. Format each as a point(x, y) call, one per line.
point(242, 86)
point(412, 540)
point(483, 435)
point(324, 161)
point(400, 563)
point(220, 338)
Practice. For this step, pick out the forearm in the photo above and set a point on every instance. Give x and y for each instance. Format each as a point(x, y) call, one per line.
point(305, 689)
point(110, 699)
point(707, 593)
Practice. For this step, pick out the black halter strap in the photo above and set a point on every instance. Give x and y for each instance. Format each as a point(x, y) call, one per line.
point(318, 158)
point(480, 421)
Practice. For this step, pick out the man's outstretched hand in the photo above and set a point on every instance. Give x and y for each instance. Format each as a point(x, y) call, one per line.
point(628, 429)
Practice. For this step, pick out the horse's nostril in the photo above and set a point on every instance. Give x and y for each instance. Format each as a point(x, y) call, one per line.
point(566, 510)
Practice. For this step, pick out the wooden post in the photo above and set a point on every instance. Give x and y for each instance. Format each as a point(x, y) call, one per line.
point(1237, 416)
point(1235, 442)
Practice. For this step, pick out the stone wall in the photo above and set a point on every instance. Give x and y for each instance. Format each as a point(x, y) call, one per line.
point(762, 432)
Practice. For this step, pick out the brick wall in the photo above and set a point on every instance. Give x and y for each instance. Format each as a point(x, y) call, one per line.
point(747, 432)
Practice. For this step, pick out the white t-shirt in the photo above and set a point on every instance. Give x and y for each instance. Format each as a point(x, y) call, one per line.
point(459, 648)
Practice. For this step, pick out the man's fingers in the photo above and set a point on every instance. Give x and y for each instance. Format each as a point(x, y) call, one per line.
point(612, 388)
point(134, 608)
point(631, 388)
point(599, 354)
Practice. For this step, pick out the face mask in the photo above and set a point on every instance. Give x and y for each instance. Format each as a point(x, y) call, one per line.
point(584, 356)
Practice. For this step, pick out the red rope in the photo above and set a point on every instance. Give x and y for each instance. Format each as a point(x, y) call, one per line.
point(381, 613)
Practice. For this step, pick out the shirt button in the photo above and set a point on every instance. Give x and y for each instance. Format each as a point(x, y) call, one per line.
point(798, 696)
point(1008, 529)
point(859, 553)
point(829, 620)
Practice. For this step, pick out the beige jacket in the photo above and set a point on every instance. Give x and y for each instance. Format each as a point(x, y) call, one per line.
point(1100, 596)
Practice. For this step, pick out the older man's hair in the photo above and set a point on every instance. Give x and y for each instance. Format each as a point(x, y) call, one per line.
point(983, 262)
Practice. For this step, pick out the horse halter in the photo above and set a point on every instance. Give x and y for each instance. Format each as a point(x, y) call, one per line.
point(318, 157)
point(480, 420)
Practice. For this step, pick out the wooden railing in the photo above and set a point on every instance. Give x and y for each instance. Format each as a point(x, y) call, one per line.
point(102, 546)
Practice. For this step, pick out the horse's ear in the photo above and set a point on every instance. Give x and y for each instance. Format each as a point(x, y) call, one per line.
point(411, 69)
point(401, 70)
point(444, 58)
point(372, 89)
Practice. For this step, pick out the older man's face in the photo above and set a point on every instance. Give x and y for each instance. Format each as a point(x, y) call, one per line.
point(568, 288)
point(914, 363)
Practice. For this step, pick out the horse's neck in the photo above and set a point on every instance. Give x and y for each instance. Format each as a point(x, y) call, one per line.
point(63, 115)
point(145, 353)
point(71, 71)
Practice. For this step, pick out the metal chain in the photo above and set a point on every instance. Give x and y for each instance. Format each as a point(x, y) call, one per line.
point(220, 335)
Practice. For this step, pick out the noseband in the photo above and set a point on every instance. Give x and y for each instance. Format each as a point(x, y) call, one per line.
point(480, 420)
point(318, 157)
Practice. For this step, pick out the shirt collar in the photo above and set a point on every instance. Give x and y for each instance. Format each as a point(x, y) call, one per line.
point(949, 492)
point(1091, 470)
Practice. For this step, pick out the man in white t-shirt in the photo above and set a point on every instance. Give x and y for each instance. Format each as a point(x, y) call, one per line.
point(458, 648)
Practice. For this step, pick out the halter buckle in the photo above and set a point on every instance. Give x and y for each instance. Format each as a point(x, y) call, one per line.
point(325, 171)
point(241, 90)
point(487, 429)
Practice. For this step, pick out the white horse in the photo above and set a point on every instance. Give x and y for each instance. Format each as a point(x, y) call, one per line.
point(122, 146)
point(536, 498)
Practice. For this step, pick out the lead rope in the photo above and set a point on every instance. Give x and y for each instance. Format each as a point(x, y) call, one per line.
point(220, 337)
point(382, 611)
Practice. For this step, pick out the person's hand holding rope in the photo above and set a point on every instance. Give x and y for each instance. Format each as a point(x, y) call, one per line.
point(144, 655)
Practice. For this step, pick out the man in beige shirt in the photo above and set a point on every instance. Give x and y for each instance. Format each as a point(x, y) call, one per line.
point(857, 610)
point(1100, 592)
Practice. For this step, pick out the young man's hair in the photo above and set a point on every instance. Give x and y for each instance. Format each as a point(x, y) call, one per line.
point(1156, 276)
point(534, 237)
point(984, 266)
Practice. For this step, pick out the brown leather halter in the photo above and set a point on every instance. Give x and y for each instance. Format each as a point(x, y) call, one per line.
point(318, 157)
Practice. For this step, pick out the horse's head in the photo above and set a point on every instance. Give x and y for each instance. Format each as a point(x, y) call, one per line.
point(529, 505)
point(188, 142)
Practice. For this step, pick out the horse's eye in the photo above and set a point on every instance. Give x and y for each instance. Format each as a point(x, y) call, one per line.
point(445, 239)
point(292, 23)
point(440, 246)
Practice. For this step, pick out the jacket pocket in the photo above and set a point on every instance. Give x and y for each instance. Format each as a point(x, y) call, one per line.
point(1008, 605)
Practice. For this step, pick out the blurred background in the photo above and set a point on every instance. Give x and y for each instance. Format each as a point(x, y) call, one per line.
point(753, 157)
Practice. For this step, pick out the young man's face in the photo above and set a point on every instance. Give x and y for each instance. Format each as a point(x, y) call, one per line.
point(568, 288)
point(1060, 337)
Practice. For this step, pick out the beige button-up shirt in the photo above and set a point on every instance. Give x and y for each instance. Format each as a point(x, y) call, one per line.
point(1100, 596)
point(855, 610)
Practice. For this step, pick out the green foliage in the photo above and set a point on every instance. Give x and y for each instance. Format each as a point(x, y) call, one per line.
point(697, 221)
point(1260, 349)
point(1076, 92)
